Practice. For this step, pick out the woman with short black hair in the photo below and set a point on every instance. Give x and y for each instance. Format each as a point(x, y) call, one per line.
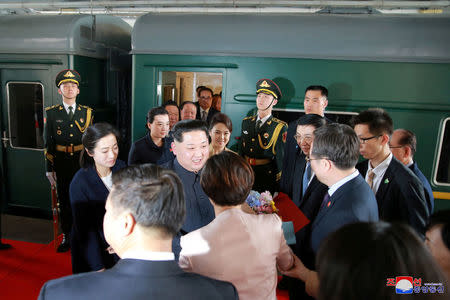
point(88, 192)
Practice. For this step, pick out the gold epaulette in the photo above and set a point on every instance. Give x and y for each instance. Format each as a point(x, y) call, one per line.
point(247, 118)
point(279, 121)
point(84, 106)
point(51, 107)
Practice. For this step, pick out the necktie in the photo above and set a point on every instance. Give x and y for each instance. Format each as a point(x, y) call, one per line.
point(204, 116)
point(370, 177)
point(306, 178)
point(70, 112)
point(325, 200)
point(258, 124)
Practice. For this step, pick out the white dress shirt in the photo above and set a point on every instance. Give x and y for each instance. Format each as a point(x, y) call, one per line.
point(149, 255)
point(379, 172)
point(341, 182)
point(66, 107)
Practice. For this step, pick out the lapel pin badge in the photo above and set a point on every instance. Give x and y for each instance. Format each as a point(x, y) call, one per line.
point(386, 180)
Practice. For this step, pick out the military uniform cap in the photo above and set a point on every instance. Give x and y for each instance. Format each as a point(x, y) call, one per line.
point(268, 87)
point(67, 75)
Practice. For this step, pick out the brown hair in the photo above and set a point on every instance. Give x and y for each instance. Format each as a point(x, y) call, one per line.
point(227, 179)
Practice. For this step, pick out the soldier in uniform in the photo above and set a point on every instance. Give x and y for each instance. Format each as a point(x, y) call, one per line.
point(263, 138)
point(64, 126)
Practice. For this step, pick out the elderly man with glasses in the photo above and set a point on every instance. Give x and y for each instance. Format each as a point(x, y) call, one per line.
point(205, 111)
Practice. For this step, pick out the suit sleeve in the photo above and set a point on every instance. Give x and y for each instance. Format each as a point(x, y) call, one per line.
point(279, 150)
point(83, 224)
point(285, 182)
point(42, 292)
point(414, 201)
point(50, 147)
point(285, 258)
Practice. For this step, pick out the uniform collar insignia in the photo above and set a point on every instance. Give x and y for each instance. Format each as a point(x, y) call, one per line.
point(264, 84)
point(69, 74)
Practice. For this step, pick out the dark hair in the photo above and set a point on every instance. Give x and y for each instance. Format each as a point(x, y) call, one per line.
point(153, 195)
point(377, 119)
point(90, 138)
point(323, 90)
point(227, 179)
point(337, 142)
point(186, 102)
point(441, 218)
point(199, 87)
point(221, 118)
point(204, 88)
point(156, 111)
point(312, 120)
point(408, 138)
point(170, 103)
point(184, 126)
point(359, 270)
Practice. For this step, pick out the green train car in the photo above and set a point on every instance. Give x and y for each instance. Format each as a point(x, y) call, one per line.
point(33, 49)
point(401, 64)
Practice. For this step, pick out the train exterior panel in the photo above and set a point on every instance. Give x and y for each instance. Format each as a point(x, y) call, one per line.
point(33, 50)
point(401, 64)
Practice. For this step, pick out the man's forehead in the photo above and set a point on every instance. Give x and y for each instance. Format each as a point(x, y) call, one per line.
point(313, 94)
point(306, 128)
point(189, 105)
point(196, 136)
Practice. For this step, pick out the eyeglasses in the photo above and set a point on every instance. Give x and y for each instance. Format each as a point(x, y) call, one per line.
point(309, 159)
point(364, 140)
point(307, 138)
point(204, 98)
point(395, 147)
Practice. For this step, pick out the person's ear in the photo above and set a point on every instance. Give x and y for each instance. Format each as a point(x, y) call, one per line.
point(59, 91)
point(384, 139)
point(325, 102)
point(129, 224)
point(89, 153)
point(148, 125)
point(407, 151)
point(275, 102)
point(174, 148)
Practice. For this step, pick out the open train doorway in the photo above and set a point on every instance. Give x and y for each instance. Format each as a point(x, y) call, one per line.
point(181, 86)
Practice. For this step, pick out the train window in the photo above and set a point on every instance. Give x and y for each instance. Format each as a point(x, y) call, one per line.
point(442, 174)
point(25, 113)
point(181, 86)
point(289, 115)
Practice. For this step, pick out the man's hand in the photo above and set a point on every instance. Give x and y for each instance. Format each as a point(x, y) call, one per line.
point(51, 178)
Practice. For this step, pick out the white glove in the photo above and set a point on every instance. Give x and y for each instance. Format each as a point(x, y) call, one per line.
point(51, 178)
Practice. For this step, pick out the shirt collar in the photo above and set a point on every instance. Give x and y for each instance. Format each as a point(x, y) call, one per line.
point(205, 110)
point(148, 255)
point(263, 120)
point(381, 168)
point(341, 182)
point(66, 106)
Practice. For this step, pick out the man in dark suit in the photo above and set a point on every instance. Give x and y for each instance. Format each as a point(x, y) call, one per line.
point(64, 126)
point(348, 199)
point(301, 185)
point(144, 210)
point(333, 157)
point(403, 145)
point(399, 193)
point(191, 148)
point(205, 111)
point(315, 102)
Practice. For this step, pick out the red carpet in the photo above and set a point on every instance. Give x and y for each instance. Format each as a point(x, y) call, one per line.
point(27, 266)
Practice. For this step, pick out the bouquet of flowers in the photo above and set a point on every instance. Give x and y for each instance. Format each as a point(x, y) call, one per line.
point(261, 203)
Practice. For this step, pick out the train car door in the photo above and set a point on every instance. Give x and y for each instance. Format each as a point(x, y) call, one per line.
point(22, 107)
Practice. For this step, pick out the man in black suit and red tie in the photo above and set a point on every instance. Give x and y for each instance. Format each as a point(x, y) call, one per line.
point(400, 194)
point(144, 210)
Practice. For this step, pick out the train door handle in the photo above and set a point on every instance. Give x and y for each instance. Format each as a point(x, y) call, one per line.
point(5, 139)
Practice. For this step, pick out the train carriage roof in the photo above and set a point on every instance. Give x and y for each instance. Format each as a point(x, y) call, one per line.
point(66, 34)
point(353, 37)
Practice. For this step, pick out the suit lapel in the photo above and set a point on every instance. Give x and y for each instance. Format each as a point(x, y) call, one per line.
point(299, 168)
point(384, 184)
